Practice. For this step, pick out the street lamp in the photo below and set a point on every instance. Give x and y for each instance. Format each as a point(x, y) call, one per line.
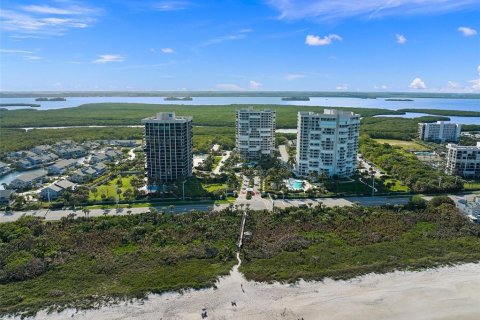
point(373, 183)
point(183, 189)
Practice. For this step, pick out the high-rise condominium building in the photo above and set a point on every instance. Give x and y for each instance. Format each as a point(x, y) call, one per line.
point(327, 143)
point(255, 133)
point(463, 161)
point(439, 132)
point(168, 147)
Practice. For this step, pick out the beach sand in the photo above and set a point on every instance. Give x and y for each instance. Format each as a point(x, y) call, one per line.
point(442, 293)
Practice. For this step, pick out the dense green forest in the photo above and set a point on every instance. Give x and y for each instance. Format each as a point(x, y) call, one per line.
point(19, 139)
point(214, 124)
point(395, 128)
point(84, 262)
point(132, 113)
point(341, 243)
point(418, 176)
point(437, 112)
point(471, 127)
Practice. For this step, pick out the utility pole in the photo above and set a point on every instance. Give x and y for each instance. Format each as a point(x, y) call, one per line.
point(439, 182)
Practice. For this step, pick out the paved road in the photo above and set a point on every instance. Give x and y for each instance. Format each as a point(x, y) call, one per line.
point(256, 203)
point(341, 202)
point(283, 153)
point(225, 156)
point(58, 214)
point(368, 167)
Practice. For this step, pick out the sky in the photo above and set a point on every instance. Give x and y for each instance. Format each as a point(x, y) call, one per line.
point(318, 45)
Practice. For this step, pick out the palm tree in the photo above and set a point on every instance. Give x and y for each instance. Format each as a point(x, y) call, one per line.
point(291, 160)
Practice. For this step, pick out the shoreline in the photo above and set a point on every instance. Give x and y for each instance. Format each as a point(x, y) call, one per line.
point(442, 292)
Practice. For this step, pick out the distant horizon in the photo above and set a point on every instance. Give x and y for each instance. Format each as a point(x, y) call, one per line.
point(241, 93)
point(344, 45)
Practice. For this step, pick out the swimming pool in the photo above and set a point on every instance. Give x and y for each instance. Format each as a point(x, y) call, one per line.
point(294, 184)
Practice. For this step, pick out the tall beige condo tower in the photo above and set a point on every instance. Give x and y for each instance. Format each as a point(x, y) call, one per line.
point(255, 133)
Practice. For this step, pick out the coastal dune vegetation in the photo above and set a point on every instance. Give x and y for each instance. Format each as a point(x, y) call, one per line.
point(88, 262)
point(341, 243)
point(85, 262)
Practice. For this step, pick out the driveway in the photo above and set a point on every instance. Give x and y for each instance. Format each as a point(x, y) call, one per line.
point(225, 156)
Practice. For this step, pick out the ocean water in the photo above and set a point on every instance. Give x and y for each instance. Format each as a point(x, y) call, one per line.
point(417, 103)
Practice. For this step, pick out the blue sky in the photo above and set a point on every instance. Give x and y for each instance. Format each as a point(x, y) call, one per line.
point(325, 45)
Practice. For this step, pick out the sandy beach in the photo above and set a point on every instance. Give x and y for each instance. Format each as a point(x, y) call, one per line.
point(442, 293)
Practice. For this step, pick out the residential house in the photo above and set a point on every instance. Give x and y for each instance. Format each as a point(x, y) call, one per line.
point(27, 180)
point(112, 154)
point(61, 166)
point(71, 152)
point(6, 197)
point(54, 190)
point(100, 168)
point(125, 143)
point(41, 149)
point(83, 175)
point(4, 168)
point(98, 158)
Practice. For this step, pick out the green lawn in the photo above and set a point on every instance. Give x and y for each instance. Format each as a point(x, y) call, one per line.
point(472, 184)
point(406, 145)
point(197, 188)
point(110, 189)
point(356, 187)
point(216, 161)
point(396, 186)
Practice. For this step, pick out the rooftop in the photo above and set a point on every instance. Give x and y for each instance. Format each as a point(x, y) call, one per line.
point(166, 117)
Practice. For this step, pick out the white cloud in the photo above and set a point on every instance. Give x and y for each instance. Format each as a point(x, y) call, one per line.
point(255, 85)
point(14, 51)
point(68, 10)
point(337, 9)
point(312, 40)
point(417, 83)
point(467, 32)
point(167, 50)
point(475, 84)
point(44, 20)
point(152, 50)
point(451, 85)
point(342, 87)
point(293, 76)
point(400, 38)
point(29, 55)
point(229, 87)
point(236, 36)
point(33, 57)
point(171, 5)
point(105, 58)
point(382, 87)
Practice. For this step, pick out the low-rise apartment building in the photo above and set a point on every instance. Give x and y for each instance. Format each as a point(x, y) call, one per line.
point(439, 131)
